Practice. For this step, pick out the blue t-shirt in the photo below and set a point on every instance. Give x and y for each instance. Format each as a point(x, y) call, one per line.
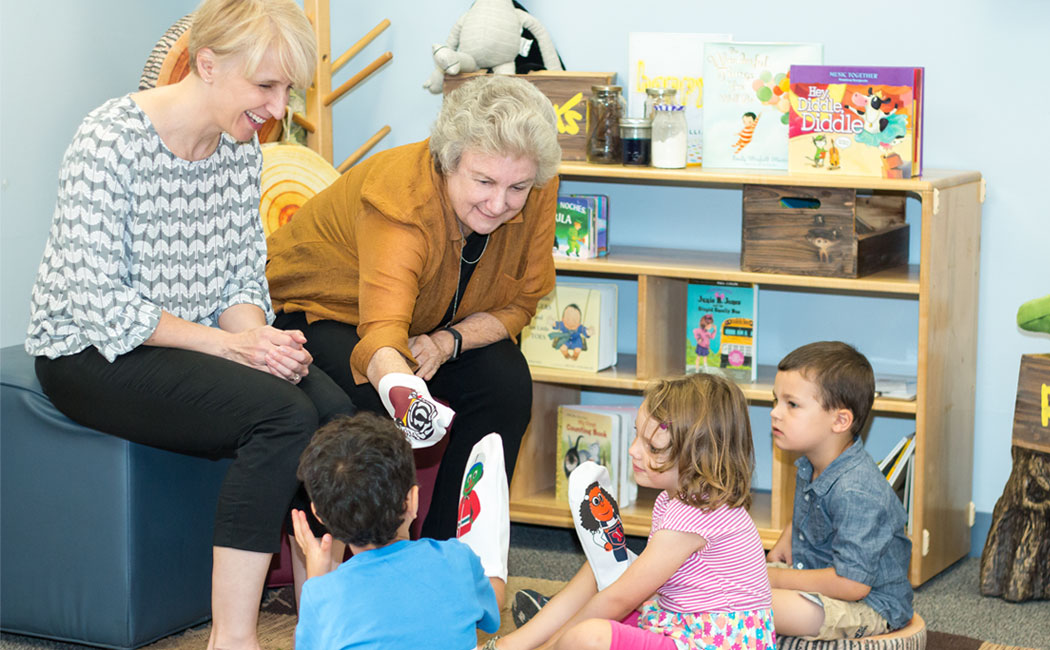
point(851, 519)
point(410, 594)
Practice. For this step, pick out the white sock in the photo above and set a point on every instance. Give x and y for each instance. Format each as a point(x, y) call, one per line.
point(598, 523)
point(483, 522)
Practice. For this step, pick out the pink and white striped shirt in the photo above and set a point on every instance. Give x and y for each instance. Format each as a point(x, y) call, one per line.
point(728, 574)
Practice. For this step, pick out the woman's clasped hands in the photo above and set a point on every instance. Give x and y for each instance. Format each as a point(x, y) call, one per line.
point(278, 352)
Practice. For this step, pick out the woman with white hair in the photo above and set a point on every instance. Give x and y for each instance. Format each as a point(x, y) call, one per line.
point(413, 274)
point(150, 310)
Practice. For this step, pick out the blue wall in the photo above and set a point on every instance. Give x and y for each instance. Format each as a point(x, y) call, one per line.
point(58, 60)
point(986, 95)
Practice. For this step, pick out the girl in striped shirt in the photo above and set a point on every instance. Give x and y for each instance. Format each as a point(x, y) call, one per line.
point(701, 581)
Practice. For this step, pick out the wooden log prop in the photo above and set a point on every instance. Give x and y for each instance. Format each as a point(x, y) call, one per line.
point(1015, 564)
point(291, 175)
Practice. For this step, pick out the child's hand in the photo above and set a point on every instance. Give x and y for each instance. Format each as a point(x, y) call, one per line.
point(781, 551)
point(318, 552)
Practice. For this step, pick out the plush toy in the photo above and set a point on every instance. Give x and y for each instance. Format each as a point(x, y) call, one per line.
point(489, 36)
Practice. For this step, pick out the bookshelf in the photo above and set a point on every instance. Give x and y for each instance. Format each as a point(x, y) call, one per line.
point(944, 282)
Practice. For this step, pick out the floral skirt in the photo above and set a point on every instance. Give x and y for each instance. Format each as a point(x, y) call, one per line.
point(747, 630)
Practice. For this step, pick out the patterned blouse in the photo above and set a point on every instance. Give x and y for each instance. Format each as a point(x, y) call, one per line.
point(138, 230)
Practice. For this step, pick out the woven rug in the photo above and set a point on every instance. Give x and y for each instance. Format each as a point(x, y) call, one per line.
point(277, 624)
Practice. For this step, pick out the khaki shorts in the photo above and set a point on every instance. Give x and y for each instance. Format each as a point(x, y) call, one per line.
point(843, 619)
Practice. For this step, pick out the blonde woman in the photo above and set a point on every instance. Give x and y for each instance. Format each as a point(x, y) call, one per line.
point(413, 274)
point(150, 313)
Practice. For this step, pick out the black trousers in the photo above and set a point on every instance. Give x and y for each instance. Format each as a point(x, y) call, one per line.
point(202, 405)
point(489, 388)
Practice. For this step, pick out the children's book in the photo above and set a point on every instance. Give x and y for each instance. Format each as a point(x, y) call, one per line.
point(627, 487)
point(598, 206)
point(909, 493)
point(862, 121)
point(898, 469)
point(580, 226)
point(745, 119)
point(586, 433)
point(887, 462)
point(722, 329)
point(671, 60)
point(574, 328)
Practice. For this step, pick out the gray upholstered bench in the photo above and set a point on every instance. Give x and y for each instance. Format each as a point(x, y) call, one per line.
point(102, 541)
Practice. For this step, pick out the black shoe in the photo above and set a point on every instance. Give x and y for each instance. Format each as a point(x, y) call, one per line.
point(526, 603)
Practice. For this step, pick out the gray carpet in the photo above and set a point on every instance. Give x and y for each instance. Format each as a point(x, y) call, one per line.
point(950, 603)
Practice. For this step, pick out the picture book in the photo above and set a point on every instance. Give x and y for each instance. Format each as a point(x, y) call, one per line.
point(598, 205)
point(580, 229)
point(722, 329)
point(585, 433)
point(909, 493)
point(670, 60)
point(572, 227)
point(745, 118)
point(886, 463)
point(627, 489)
point(862, 121)
point(574, 328)
point(896, 469)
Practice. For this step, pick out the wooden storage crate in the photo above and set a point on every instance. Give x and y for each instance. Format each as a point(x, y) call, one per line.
point(569, 91)
point(822, 231)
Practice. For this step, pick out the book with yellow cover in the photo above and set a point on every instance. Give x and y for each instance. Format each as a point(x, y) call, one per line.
point(574, 328)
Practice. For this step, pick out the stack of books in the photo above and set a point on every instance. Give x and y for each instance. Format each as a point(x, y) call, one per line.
point(898, 467)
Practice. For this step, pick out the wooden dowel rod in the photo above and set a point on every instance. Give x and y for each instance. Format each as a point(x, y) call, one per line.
point(360, 45)
point(303, 122)
point(357, 78)
point(362, 150)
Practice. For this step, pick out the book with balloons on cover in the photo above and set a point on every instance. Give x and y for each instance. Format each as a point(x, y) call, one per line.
point(861, 121)
point(745, 118)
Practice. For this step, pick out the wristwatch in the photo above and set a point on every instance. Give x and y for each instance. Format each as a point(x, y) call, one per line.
point(457, 342)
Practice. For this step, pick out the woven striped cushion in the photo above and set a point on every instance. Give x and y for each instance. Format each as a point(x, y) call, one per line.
point(910, 637)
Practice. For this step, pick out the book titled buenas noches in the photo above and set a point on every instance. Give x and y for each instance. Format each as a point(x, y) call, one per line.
point(862, 121)
point(580, 223)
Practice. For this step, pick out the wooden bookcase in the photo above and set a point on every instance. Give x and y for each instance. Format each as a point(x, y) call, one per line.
point(944, 282)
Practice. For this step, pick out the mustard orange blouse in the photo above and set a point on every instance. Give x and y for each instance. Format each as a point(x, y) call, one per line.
point(380, 249)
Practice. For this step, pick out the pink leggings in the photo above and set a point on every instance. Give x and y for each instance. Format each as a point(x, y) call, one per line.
point(626, 635)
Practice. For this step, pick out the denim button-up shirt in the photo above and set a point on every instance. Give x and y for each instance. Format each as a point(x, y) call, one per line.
point(850, 519)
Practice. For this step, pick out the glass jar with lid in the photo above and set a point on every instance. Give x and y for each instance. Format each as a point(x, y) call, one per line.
point(635, 138)
point(605, 109)
point(669, 136)
point(655, 96)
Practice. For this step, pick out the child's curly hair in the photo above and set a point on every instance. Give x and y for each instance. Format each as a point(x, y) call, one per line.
point(710, 438)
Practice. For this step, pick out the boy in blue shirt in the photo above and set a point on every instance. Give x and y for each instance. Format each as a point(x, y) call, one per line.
point(840, 569)
point(393, 593)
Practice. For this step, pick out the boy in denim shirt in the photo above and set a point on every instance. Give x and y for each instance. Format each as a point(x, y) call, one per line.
point(840, 570)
